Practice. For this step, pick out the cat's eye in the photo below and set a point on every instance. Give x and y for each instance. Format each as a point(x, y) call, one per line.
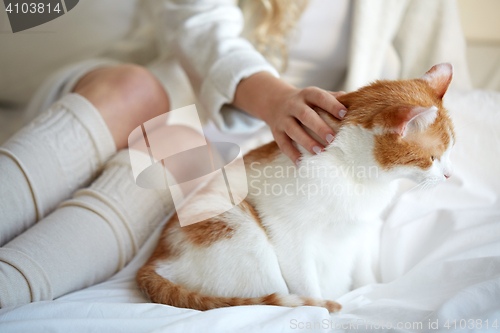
point(432, 158)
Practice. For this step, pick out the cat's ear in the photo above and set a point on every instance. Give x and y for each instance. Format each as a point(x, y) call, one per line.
point(439, 78)
point(410, 118)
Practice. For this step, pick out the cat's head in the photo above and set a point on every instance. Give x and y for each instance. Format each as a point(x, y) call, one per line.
point(403, 125)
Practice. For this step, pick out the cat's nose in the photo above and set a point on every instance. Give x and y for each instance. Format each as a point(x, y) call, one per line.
point(447, 171)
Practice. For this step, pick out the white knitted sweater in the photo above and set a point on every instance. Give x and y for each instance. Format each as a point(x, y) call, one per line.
point(390, 39)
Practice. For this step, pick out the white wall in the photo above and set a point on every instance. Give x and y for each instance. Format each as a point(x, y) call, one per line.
point(481, 20)
point(481, 24)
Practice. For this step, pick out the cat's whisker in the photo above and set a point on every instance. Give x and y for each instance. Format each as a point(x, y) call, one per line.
point(414, 188)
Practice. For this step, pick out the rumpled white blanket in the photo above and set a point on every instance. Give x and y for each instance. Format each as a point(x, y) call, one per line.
point(439, 263)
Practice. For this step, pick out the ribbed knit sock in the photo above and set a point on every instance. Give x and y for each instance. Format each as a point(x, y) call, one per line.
point(60, 151)
point(86, 240)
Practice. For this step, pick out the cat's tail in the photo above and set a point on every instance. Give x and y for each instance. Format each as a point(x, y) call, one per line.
point(161, 290)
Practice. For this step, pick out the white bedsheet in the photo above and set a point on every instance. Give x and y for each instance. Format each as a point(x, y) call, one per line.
point(439, 261)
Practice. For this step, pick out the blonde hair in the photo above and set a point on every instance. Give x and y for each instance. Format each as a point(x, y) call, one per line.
point(277, 20)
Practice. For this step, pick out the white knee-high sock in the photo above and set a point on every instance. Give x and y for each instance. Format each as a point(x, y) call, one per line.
point(60, 151)
point(86, 240)
point(17, 209)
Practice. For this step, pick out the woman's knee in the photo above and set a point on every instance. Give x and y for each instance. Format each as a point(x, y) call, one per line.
point(127, 82)
point(169, 140)
point(126, 95)
point(140, 87)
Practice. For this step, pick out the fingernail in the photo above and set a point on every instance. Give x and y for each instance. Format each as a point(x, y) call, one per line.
point(329, 138)
point(297, 162)
point(316, 149)
point(342, 113)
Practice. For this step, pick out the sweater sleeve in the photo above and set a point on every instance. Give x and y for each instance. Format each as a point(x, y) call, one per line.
point(205, 37)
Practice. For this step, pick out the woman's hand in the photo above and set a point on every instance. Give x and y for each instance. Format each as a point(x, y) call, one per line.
point(284, 108)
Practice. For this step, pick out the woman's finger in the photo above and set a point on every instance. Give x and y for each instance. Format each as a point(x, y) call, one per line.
point(286, 146)
point(310, 118)
point(326, 101)
point(297, 134)
point(337, 93)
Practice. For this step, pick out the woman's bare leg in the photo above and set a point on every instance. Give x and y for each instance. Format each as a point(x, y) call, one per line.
point(126, 96)
point(65, 148)
point(91, 236)
point(97, 232)
point(175, 139)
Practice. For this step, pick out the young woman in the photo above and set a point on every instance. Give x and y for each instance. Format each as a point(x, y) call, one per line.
point(233, 55)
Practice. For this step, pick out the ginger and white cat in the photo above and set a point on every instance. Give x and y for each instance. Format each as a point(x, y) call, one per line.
point(300, 238)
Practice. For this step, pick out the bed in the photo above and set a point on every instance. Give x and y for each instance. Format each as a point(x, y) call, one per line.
point(438, 267)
